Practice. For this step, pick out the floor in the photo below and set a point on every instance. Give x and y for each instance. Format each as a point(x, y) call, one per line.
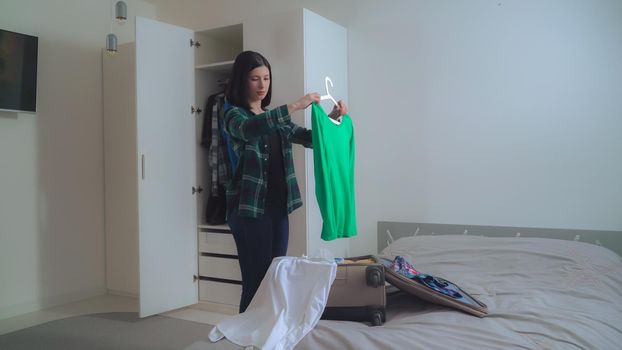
point(101, 304)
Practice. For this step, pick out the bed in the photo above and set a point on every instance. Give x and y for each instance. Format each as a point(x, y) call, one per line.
point(541, 293)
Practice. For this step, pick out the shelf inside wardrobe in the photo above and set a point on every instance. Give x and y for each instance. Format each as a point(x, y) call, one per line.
point(217, 67)
point(219, 46)
point(214, 227)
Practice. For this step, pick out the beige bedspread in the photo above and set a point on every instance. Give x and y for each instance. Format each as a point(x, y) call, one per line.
point(541, 294)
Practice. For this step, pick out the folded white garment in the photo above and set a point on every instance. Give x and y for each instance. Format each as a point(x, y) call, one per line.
point(287, 305)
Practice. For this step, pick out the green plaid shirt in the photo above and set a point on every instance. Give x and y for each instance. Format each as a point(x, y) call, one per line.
point(250, 135)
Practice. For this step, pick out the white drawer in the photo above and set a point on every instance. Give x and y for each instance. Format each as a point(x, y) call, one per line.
point(210, 266)
point(219, 243)
point(219, 292)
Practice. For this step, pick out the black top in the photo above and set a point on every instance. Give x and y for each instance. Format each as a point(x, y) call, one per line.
point(276, 196)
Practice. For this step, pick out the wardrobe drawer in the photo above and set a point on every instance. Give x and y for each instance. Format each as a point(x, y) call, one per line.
point(217, 267)
point(218, 243)
point(220, 292)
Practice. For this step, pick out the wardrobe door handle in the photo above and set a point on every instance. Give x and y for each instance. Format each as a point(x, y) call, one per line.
point(142, 166)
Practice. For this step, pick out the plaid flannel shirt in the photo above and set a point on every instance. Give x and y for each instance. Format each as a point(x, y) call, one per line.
point(217, 157)
point(250, 139)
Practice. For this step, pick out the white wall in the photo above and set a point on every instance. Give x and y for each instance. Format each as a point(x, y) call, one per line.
point(473, 112)
point(488, 113)
point(51, 163)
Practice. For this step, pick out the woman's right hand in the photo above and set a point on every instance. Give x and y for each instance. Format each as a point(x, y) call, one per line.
point(303, 102)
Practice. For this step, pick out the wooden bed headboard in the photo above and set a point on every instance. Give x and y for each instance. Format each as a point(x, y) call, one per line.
point(609, 239)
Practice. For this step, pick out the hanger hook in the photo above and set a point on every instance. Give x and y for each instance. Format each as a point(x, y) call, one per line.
point(327, 81)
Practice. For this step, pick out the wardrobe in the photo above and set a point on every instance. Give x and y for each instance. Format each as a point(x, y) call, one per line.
point(158, 245)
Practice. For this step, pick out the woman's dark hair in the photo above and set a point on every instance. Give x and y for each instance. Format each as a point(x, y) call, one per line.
point(237, 89)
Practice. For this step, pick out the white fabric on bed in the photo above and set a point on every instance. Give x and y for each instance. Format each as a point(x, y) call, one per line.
point(287, 305)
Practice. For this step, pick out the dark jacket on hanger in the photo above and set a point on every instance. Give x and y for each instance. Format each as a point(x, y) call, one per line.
point(219, 168)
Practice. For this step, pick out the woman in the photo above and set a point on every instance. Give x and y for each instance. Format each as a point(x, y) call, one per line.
point(263, 190)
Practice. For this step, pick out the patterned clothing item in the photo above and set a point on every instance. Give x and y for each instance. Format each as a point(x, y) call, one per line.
point(250, 138)
point(403, 267)
point(219, 171)
point(213, 139)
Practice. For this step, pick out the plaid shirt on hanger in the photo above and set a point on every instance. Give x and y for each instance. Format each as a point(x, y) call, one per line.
point(213, 139)
point(218, 155)
point(250, 138)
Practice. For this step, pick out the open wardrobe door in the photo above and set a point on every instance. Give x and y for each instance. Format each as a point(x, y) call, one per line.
point(166, 167)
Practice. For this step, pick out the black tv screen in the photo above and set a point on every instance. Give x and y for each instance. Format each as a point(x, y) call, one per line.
point(18, 71)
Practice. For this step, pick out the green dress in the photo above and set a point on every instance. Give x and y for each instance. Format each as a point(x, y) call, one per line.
point(333, 162)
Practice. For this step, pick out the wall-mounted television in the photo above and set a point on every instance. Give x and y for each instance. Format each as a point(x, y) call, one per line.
point(18, 72)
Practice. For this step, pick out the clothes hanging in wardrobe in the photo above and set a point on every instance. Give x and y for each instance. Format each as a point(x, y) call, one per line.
point(219, 169)
point(233, 158)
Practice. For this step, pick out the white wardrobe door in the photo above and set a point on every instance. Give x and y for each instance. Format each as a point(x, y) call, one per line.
point(166, 166)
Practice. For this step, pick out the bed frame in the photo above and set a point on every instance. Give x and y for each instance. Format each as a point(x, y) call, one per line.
point(388, 231)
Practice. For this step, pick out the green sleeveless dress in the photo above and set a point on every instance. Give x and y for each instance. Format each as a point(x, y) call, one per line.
point(333, 162)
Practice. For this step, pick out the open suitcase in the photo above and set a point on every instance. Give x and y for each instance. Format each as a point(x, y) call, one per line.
point(358, 292)
point(434, 289)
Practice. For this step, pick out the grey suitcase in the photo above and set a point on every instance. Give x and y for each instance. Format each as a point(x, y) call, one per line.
point(358, 292)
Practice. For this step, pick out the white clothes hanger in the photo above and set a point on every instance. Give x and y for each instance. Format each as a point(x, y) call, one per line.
point(328, 96)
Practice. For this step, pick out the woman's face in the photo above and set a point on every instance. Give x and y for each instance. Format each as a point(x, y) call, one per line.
point(258, 83)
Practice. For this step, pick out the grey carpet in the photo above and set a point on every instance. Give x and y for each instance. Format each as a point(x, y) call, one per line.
point(117, 330)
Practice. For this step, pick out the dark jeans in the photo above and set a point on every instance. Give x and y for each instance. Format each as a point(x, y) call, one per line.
point(258, 242)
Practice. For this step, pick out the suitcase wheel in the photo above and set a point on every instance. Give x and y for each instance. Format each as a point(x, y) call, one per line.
point(374, 276)
point(376, 318)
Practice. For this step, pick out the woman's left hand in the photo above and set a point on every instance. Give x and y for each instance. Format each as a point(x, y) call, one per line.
point(339, 110)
